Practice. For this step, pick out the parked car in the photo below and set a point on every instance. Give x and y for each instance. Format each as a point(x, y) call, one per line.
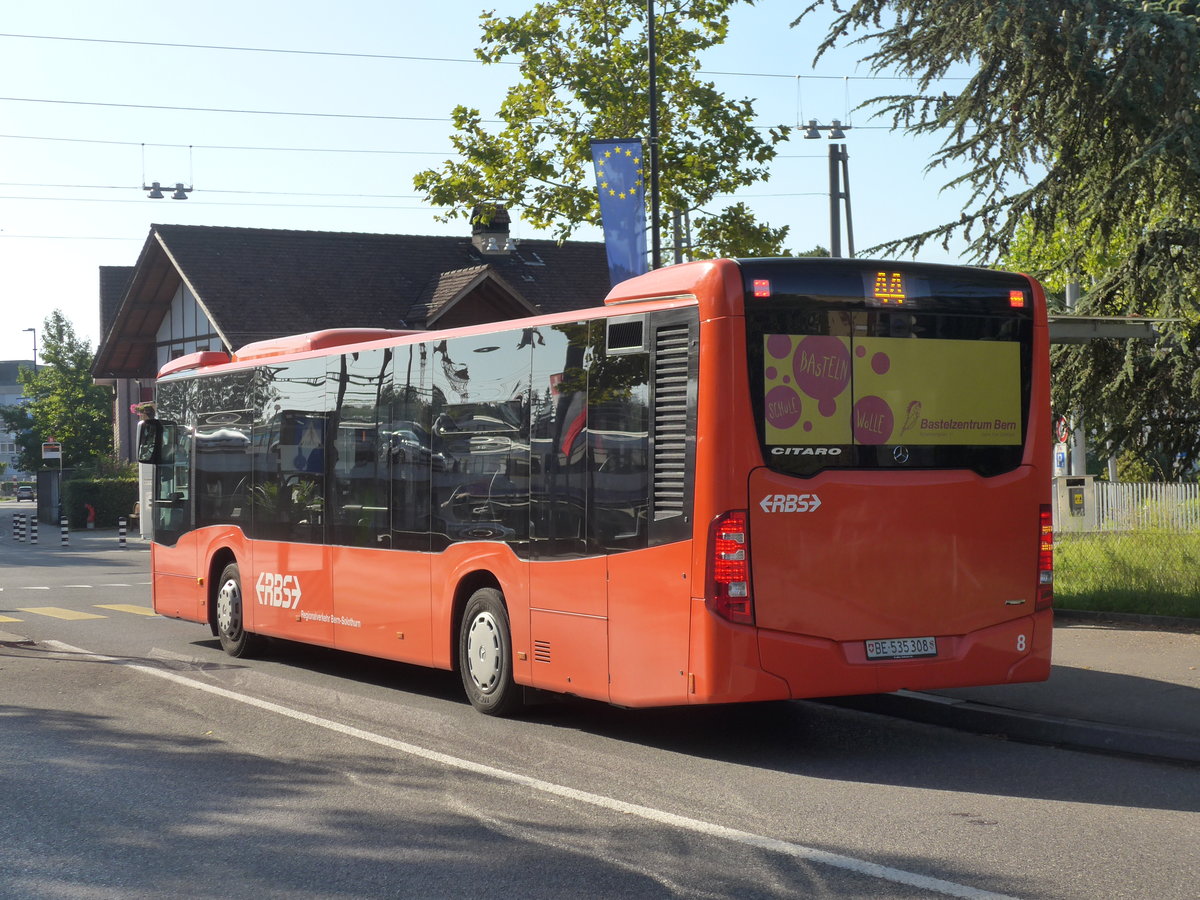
point(25, 492)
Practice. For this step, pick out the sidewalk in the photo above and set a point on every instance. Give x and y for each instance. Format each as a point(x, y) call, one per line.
point(1116, 687)
point(85, 540)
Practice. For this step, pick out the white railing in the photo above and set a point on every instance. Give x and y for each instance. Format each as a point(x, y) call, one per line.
point(1125, 506)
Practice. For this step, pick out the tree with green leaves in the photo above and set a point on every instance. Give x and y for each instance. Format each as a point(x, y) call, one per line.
point(1078, 139)
point(62, 402)
point(584, 76)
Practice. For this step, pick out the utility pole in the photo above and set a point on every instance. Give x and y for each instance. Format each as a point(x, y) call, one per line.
point(655, 238)
point(1079, 438)
point(839, 184)
point(839, 190)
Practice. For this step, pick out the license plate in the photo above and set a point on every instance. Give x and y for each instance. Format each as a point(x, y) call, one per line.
point(901, 648)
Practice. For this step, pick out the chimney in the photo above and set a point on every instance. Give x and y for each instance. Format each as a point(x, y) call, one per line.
point(489, 229)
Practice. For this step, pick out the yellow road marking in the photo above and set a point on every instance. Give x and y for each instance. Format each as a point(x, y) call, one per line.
point(10, 619)
point(58, 612)
point(128, 608)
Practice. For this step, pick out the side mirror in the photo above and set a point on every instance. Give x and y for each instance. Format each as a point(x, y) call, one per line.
point(149, 442)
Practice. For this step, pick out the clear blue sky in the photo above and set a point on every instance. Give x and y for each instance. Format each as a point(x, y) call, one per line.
point(71, 173)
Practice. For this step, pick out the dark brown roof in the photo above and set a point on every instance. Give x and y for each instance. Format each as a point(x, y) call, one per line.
point(114, 282)
point(257, 283)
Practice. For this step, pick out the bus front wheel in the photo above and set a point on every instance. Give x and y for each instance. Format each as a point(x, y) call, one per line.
point(485, 655)
point(235, 639)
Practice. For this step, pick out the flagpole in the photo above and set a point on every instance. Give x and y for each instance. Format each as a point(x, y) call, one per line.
point(655, 237)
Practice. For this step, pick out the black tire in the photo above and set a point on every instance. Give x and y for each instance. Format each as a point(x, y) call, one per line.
point(485, 660)
point(235, 639)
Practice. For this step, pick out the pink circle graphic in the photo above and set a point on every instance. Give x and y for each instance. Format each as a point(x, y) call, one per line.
point(873, 421)
point(783, 407)
point(827, 408)
point(772, 373)
point(860, 351)
point(822, 367)
point(881, 362)
point(779, 345)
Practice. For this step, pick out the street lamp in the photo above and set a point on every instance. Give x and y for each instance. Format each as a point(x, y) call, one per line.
point(34, 331)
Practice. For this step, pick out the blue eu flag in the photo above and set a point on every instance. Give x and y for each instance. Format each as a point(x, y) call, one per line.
point(621, 186)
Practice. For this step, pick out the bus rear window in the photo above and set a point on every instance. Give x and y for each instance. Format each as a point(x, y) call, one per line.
point(838, 382)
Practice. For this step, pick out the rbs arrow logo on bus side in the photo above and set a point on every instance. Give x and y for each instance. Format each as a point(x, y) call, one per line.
point(790, 503)
point(274, 589)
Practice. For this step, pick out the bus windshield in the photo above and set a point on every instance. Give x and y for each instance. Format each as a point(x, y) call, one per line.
point(872, 367)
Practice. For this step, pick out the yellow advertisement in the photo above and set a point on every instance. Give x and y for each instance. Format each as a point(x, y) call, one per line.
point(829, 390)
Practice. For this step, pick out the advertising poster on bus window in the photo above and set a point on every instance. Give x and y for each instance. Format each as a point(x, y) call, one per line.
point(826, 390)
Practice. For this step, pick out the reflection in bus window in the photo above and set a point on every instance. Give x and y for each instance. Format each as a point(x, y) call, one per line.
point(358, 496)
point(289, 442)
point(558, 436)
point(481, 387)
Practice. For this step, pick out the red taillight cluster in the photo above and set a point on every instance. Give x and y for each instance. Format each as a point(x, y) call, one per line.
point(728, 583)
point(1045, 586)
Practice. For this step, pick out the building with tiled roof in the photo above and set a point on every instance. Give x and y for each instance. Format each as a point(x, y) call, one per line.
point(218, 288)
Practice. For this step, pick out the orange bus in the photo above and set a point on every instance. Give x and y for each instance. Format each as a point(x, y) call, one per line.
point(737, 480)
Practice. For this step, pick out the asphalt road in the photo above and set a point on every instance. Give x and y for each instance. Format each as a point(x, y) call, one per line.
point(140, 761)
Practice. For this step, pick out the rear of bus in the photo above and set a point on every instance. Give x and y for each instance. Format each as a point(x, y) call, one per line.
point(892, 528)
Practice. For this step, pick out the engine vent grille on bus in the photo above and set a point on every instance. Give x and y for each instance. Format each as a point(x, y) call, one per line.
point(670, 419)
point(626, 336)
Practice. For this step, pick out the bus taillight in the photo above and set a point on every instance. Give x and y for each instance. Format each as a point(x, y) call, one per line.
point(728, 582)
point(1045, 587)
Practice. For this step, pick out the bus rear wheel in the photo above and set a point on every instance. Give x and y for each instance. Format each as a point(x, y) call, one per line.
point(235, 639)
point(485, 660)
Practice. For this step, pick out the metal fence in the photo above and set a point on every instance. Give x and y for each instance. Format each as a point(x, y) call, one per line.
point(1127, 546)
point(1173, 508)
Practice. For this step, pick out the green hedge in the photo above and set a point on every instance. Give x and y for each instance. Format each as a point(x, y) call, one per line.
point(111, 498)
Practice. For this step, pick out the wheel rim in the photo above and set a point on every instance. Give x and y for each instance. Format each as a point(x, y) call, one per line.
point(483, 652)
point(229, 608)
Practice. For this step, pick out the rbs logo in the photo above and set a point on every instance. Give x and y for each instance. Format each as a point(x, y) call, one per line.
point(274, 589)
point(790, 503)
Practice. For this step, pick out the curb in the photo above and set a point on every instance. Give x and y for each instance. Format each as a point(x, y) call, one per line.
point(1126, 620)
point(1035, 728)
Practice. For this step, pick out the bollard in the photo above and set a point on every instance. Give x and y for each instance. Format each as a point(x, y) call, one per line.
point(121, 532)
point(33, 526)
point(62, 528)
point(14, 525)
point(20, 528)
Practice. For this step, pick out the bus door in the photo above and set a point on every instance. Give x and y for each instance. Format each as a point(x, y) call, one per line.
point(568, 578)
point(378, 506)
point(175, 593)
point(288, 591)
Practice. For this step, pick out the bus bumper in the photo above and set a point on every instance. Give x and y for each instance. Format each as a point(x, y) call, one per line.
point(1011, 652)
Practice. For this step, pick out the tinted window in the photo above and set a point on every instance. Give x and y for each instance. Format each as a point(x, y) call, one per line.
point(289, 450)
point(618, 438)
point(559, 437)
point(409, 446)
point(935, 374)
point(479, 428)
point(360, 384)
point(172, 497)
point(222, 452)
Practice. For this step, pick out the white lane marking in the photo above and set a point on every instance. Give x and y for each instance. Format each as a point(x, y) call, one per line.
point(31, 588)
point(650, 814)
